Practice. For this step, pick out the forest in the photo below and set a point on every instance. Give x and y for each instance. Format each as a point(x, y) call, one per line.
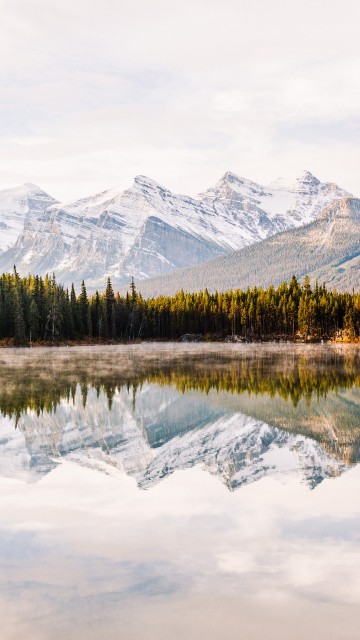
point(35, 310)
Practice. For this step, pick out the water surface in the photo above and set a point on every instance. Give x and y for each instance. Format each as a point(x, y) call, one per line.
point(162, 490)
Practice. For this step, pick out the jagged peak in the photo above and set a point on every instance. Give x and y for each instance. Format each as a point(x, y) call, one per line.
point(230, 176)
point(26, 188)
point(305, 176)
point(31, 186)
point(233, 182)
point(141, 183)
point(25, 192)
point(144, 181)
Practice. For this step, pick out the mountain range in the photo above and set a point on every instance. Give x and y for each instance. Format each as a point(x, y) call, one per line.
point(148, 231)
point(327, 249)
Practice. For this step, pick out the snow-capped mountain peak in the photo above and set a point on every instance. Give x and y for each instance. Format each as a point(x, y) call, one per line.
point(30, 187)
point(229, 185)
point(26, 190)
point(303, 180)
point(147, 230)
point(19, 205)
point(305, 177)
point(232, 178)
point(143, 182)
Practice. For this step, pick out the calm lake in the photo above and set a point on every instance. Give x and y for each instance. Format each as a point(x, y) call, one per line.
point(180, 491)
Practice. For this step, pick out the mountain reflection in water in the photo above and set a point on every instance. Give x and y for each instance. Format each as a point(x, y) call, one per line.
point(243, 413)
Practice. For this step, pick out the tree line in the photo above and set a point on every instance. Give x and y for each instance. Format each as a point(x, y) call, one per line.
point(35, 309)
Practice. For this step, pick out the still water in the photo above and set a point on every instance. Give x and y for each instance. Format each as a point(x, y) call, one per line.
point(164, 491)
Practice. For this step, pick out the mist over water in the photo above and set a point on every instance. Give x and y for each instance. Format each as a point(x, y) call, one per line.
point(199, 490)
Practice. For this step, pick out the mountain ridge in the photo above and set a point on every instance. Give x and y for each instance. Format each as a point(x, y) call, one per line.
point(147, 230)
point(327, 248)
point(19, 205)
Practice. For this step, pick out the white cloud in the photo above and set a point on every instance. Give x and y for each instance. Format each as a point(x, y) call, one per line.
point(95, 93)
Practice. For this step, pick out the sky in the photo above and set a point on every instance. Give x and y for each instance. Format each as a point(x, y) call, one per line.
point(94, 93)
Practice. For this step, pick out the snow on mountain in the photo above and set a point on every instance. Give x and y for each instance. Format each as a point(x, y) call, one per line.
point(285, 204)
point(327, 249)
point(147, 230)
point(302, 201)
point(165, 431)
point(19, 205)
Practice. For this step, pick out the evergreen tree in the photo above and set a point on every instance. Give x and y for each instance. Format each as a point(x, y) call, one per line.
point(20, 337)
point(83, 309)
point(109, 301)
point(75, 315)
point(34, 321)
point(33, 308)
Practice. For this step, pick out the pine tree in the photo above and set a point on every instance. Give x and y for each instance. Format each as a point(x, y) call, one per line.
point(20, 329)
point(97, 316)
point(34, 321)
point(109, 301)
point(74, 307)
point(83, 306)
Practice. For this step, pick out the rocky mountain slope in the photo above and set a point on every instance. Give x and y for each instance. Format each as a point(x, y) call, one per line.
point(18, 207)
point(147, 230)
point(327, 248)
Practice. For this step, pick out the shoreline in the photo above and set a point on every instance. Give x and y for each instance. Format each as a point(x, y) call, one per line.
point(9, 344)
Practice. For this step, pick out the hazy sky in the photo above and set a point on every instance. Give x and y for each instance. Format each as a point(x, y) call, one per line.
point(94, 92)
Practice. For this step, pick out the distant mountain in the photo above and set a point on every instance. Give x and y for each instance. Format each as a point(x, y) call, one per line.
point(147, 230)
point(327, 248)
point(19, 206)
